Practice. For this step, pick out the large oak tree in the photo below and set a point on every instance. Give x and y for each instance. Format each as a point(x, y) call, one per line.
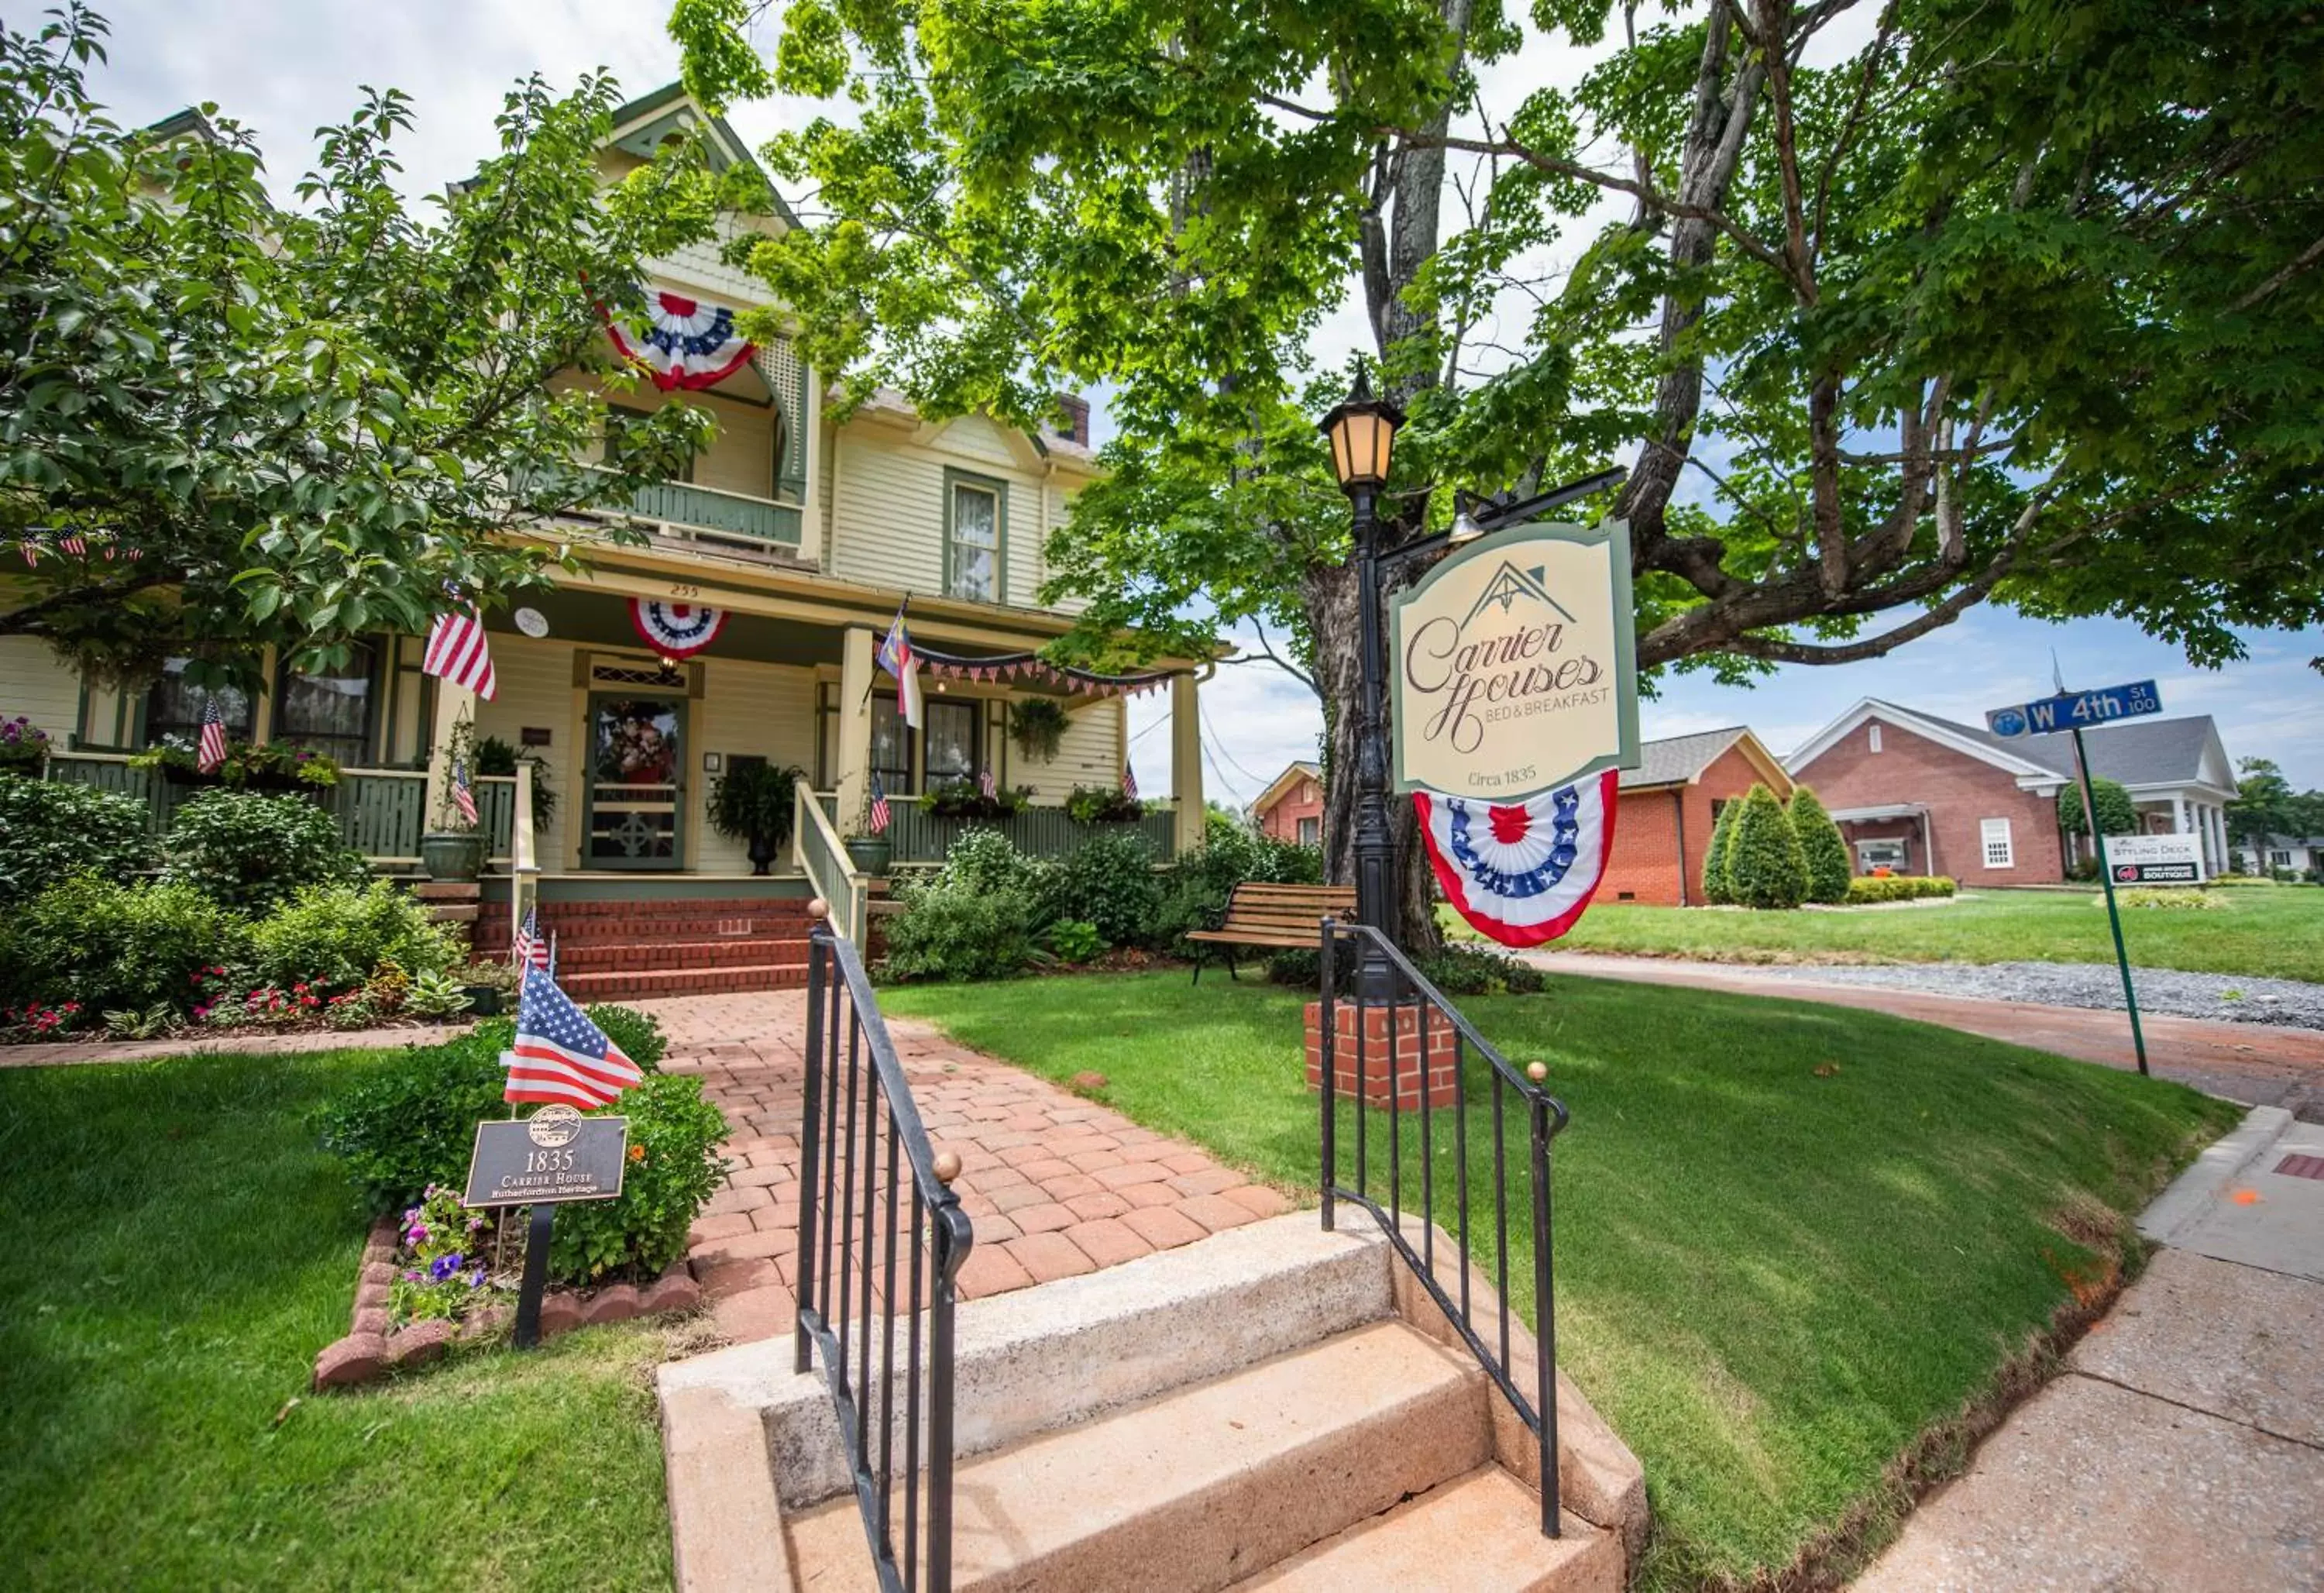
point(1895, 309)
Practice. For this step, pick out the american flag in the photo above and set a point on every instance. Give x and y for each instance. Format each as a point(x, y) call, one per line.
point(464, 795)
point(211, 753)
point(879, 814)
point(897, 657)
point(458, 652)
point(530, 945)
point(559, 1054)
point(988, 784)
point(1128, 780)
point(75, 545)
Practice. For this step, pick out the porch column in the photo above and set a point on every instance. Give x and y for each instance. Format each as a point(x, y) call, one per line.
point(854, 780)
point(2218, 837)
point(454, 702)
point(2179, 824)
point(1185, 762)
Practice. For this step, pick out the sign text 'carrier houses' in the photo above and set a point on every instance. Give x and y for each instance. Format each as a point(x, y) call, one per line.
point(1517, 706)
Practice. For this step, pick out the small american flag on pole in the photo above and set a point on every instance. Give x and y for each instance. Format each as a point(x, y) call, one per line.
point(559, 1054)
point(987, 783)
point(1129, 779)
point(458, 652)
point(210, 754)
point(531, 946)
point(464, 795)
point(879, 814)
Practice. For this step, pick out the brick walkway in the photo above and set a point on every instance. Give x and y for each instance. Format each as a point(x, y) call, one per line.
point(1055, 1184)
point(196, 1042)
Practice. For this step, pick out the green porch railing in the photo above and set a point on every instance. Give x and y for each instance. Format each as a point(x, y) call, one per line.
point(684, 508)
point(496, 815)
point(381, 812)
point(914, 836)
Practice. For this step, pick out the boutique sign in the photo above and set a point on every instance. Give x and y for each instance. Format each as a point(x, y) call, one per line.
point(1513, 665)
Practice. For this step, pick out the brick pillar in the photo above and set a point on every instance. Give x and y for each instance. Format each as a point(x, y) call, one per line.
point(1376, 1024)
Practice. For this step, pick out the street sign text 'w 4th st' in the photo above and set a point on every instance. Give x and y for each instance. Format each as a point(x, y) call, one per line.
point(2076, 710)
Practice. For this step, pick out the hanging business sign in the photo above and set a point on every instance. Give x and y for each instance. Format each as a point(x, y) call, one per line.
point(1517, 706)
point(1513, 665)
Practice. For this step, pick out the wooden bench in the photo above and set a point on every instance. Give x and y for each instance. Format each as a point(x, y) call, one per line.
point(1279, 917)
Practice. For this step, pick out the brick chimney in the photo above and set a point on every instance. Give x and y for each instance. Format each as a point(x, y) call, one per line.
point(1073, 418)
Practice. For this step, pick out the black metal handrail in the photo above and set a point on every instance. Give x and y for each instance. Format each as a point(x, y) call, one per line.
point(1406, 986)
point(859, 1078)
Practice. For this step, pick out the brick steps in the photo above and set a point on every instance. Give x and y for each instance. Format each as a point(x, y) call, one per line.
point(637, 950)
point(640, 984)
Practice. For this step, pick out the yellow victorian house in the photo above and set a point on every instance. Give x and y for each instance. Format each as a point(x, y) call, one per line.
point(806, 534)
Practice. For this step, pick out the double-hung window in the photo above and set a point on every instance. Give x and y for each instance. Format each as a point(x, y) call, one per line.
point(329, 712)
point(1993, 836)
point(972, 540)
point(175, 706)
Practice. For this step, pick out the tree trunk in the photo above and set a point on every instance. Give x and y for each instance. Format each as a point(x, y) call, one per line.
point(1331, 614)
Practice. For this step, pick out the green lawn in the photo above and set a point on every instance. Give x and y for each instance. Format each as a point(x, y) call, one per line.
point(2276, 931)
point(1769, 1281)
point(173, 1251)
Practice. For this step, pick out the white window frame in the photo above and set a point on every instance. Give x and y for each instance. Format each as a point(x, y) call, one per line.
point(2279, 859)
point(1875, 740)
point(1994, 846)
point(1310, 832)
point(955, 585)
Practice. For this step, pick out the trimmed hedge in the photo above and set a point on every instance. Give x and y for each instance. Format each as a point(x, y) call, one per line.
point(1764, 867)
point(1716, 889)
point(1900, 888)
point(1821, 845)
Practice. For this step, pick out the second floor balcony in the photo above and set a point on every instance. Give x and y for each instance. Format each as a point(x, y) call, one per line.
point(712, 517)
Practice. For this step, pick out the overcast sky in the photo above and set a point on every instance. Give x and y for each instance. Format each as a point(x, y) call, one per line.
point(286, 68)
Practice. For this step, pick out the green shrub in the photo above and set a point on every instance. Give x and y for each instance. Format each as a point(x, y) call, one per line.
point(1109, 882)
point(1764, 867)
point(336, 935)
point(254, 851)
point(674, 1169)
point(1103, 804)
point(1716, 889)
point(2168, 898)
point(1194, 894)
point(110, 946)
point(1823, 848)
point(1301, 969)
point(1900, 888)
point(988, 860)
point(413, 1123)
point(951, 932)
point(1072, 941)
point(51, 830)
point(639, 1034)
point(1473, 971)
point(2117, 814)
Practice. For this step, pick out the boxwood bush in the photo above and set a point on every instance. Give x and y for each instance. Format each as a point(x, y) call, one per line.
point(254, 851)
point(53, 830)
point(1108, 881)
point(1900, 888)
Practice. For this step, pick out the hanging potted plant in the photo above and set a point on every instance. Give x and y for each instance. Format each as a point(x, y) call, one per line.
point(454, 849)
point(751, 803)
point(1037, 726)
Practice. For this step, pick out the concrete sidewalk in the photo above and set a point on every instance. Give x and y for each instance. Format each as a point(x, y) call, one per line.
point(2183, 1446)
point(2257, 1064)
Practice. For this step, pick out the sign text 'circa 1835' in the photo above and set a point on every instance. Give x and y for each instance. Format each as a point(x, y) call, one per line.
point(1514, 667)
point(555, 1154)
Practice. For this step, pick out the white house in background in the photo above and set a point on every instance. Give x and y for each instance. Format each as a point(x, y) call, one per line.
point(2300, 854)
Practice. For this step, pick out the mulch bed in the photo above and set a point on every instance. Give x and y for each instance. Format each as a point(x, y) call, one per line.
point(373, 1345)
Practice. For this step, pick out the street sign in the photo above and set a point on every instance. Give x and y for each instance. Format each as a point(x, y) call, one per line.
point(2076, 710)
point(555, 1154)
point(2154, 859)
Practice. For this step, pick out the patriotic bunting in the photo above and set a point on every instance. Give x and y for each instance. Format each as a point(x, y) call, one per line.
point(682, 343)
point(675, 630)
point(1031, 667)
point(1521, 872)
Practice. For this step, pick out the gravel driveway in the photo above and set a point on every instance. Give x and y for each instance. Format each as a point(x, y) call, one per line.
point(2222, 997)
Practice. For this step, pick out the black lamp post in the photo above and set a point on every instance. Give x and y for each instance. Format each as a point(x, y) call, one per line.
point(1363, 431)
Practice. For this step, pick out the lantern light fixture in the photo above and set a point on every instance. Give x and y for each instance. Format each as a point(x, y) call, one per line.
point(1362, 430)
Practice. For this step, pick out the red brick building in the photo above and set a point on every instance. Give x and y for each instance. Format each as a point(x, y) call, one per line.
point(1291, 809)
point(1919, 794)
point(1662, 827)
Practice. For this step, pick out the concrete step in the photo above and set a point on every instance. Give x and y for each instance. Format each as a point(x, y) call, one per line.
point(648, 984)
point(1477, 1533)
point(1199, 1488)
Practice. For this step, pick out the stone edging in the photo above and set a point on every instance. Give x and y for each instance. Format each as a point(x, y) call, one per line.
point(372, 1348)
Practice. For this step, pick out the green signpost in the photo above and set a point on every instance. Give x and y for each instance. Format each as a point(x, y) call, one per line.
point(2071, 711)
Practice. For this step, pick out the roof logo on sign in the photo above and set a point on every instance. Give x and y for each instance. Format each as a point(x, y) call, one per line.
point(1509, 584)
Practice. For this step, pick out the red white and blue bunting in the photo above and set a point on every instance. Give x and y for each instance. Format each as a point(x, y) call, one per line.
point(1522, 872)
point(682, 342)
point(675, 630)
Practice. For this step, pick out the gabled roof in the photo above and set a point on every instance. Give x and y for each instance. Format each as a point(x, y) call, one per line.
point(1280, 786)
point(641, 125)
point(1679, 760)
point(2136, 754)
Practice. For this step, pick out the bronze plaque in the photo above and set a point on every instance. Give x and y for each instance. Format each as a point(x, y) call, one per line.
point(555, 1154)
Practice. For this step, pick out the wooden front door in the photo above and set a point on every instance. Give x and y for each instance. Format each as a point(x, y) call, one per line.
point(637, 781)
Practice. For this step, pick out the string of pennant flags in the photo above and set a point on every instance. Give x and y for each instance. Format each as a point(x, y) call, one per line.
point(75, 544)
point(1031, 666)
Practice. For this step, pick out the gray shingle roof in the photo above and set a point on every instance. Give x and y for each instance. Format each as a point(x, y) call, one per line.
point(1678, 757)
point(2140, 752)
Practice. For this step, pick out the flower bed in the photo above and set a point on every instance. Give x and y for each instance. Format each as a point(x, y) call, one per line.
point(414, 1302)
